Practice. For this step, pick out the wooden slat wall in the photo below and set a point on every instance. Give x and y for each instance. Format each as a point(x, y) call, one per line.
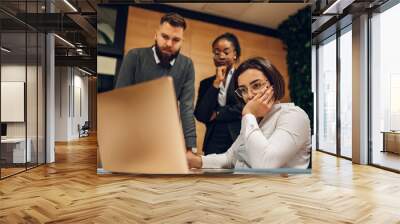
point(141, 26)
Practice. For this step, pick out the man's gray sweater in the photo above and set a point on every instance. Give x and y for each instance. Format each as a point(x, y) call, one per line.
point(139, 65)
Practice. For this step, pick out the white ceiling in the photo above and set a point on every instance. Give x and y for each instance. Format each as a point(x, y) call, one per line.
point(263, 14)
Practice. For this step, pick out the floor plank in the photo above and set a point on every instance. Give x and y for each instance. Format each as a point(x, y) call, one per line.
point(387, 159)
point(70, 191)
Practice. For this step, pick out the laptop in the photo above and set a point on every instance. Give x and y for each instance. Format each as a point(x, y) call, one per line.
point(139, 130)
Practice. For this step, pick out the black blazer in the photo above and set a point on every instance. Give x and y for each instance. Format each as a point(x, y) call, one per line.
point(207, 103)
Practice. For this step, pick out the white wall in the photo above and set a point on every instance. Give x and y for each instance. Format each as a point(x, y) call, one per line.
point(33, 127)
point(62, 81)
point(12, 73)
point(71, 93)
point(81, 101)
point(12, 101)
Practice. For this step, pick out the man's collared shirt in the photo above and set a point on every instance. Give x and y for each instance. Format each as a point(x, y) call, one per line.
point(158, 59)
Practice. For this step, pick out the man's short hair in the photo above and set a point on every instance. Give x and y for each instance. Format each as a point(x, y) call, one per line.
point(174, 19)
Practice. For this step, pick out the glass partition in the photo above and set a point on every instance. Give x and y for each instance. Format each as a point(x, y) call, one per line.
point(327, 96)
point(385, 89)
point(22, 88)
point(346, 93)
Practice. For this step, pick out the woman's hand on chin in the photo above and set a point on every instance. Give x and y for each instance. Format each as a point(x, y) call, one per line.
point(261, 104)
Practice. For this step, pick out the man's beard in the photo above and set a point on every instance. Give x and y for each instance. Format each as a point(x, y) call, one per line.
point(165, 59)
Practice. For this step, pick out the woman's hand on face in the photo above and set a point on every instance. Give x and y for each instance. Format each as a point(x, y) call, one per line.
point(194, 161)
point(261, 104)
point(220, 76)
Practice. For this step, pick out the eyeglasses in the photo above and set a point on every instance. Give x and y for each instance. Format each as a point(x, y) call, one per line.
point(255, 88)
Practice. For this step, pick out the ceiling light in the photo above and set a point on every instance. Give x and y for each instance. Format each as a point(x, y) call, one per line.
point(337, 7)
point(84, 71)
point(70, 5)
point(5, 50)
point(64, 40)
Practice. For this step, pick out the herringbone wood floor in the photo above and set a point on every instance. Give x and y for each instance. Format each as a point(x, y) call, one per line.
point(70, 191)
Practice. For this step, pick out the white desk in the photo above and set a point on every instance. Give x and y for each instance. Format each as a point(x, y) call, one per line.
point(18, 150)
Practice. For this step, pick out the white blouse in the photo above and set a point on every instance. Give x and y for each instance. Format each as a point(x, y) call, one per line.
point(281, 140)
point(223, 89)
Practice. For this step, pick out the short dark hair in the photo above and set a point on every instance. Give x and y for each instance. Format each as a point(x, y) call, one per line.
point(231, 38)
point(174, 19)
point(263, 65)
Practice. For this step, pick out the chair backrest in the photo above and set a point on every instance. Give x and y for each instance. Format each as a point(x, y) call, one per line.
point(86, 125)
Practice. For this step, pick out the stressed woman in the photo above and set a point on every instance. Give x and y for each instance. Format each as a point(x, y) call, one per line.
point(272, 134)
point(217, 106)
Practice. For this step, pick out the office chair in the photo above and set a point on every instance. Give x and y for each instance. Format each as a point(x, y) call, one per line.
point(84, 130)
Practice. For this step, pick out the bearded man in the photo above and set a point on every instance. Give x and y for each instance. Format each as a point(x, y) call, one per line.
point(164, 59)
